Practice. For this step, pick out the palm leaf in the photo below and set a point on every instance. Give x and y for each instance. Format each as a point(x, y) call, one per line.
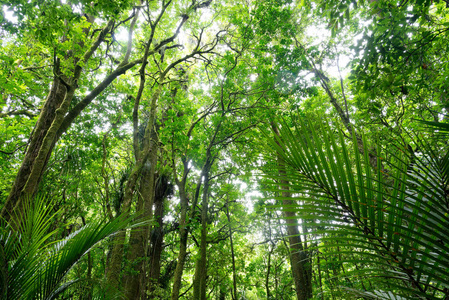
point(35, 267)
point(397, 220)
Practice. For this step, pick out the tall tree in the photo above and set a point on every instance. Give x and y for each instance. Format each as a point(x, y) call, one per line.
point(72, 48)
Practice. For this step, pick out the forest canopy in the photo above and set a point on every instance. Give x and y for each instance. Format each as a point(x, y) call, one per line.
point(203, 149)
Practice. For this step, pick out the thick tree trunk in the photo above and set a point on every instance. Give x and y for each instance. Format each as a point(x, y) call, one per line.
point(142, 156)
point(54, 120)
point(139, 237)
point(54, 99)
point(157, 236)
point(41, 160)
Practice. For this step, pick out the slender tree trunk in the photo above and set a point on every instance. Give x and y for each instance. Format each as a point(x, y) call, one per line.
point(320, 281)
point(196, 280)
point(142, 147)
point(267, 276)
point(234, 275)
point(199, 291)
point(114, 267)
point(183, 233)
point(115, 264)
point(222, 295)
point(298, 258)
point(135, 284)
point(276, 281)
point(331, 281)
point(89, 276)
point(308, 257)
point(88, 295)
point(183, 226)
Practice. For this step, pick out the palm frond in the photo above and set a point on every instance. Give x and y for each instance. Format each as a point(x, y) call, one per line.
point(34, 268)
point(397, 219)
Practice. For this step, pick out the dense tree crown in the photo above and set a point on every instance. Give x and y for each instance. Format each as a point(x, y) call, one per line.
point(203, 149)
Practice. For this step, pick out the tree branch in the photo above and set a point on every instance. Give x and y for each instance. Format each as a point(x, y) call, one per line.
point(17, 113)
point(74, 112)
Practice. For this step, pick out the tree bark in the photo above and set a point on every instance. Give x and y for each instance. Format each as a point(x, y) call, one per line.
point(298, 257)
point(299, 260)
point(183, 224)
point(197, 279)
point(234, 274)
point(89, 287)
point(267, 276)
point(183, 234)
point(46, 117)
point(115, 264)
point(199, 289)
point(157, 236)
point(114, 267)
point(135, 280)
point(222, 295)
point(139, 237)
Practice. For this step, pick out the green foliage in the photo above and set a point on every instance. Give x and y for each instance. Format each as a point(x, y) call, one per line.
point(33, 263)
point(394, 215)
point(361, 218)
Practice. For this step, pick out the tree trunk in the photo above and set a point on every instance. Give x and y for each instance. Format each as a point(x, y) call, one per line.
point(139, 237)
point(52, 103)
point(89, 287)
point(115, 264)
point(234, 275)
point(183, 233)
point(222, 295)
point(142, 156)
point(320, 281)
point(135, 284)
point(267, 276)
point(197, 280)
point(54, 119)
point(45, 133)
point(298, 257)
point(157, 236)
point(183, 226)
point(114, 267)
point(199, 291)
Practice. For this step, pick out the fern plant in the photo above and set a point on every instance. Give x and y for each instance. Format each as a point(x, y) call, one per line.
point(394, 213)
